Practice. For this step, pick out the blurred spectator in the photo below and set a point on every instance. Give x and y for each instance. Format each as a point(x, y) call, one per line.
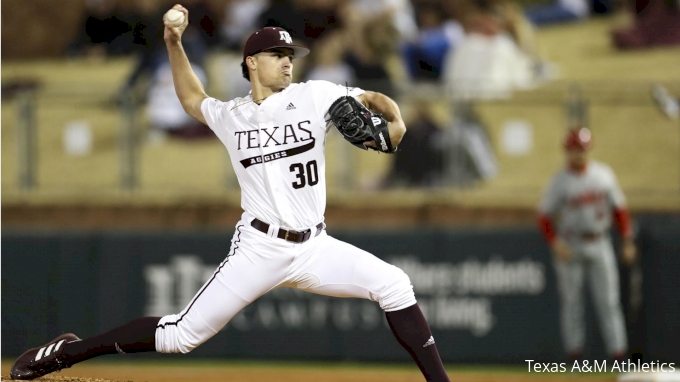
point(424, 57)
point(605, 6)
point(236, 85)
point(468, 154)
point(518, 26)
point(656, 23)
point(328, 64)
point(305, 20)
point(152, 76)
point(558, 11)
point(419, 162)
point(369, 53)
point(242, 18)
point(103, 31)
point(320, 17)
point(150, 46)
point(165, 112)
point(284, 14)
point(488, 63)
point(203, 20)
point(147, 21)
point(399, 12)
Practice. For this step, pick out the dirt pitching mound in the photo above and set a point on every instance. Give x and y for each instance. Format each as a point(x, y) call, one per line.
point(66, 379)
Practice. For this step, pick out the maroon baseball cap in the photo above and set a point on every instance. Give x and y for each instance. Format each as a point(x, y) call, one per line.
point(269, 38)
point(578, 138)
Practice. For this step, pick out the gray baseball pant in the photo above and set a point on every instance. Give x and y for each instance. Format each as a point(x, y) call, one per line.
point(595, 261)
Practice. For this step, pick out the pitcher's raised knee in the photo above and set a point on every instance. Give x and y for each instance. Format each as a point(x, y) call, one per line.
point(397, 293)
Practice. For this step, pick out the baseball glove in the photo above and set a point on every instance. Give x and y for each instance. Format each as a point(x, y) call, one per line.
point(357, 124)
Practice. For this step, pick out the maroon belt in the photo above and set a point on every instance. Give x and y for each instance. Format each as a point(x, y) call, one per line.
point(288, 235)
point(590, 235)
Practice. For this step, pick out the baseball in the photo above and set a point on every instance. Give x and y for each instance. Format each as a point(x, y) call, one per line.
point(174, 17)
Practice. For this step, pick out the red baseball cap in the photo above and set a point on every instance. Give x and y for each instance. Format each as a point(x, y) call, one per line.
point(578, 138)
point(269, 38)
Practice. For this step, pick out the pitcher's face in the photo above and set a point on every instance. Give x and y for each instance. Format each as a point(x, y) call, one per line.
point(275, 67)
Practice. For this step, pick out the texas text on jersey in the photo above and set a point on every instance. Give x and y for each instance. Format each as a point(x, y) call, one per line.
point(278, 152)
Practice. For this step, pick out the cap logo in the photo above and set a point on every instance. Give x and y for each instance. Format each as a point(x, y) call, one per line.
point(285, 37)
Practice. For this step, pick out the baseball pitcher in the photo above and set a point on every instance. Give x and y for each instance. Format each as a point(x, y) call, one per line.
point(275, 137)
point(575, 216)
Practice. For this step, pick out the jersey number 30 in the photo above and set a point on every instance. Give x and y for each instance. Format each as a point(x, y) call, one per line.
point(310, 176)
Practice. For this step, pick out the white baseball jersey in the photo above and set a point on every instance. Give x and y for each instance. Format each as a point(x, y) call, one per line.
point(583, 202)
point(277, 150)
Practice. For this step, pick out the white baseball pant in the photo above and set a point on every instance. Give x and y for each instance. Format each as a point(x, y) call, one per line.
point(259, 262)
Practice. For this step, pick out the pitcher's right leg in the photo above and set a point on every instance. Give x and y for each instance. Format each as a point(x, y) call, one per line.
point(255, 265)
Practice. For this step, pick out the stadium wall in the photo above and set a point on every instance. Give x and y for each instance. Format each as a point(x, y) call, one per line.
point(489, 294)
point(223, 216)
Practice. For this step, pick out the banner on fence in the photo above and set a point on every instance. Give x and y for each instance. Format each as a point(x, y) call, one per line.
point(489, 295)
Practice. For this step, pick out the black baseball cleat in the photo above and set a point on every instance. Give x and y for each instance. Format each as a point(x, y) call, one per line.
point(36, 362)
